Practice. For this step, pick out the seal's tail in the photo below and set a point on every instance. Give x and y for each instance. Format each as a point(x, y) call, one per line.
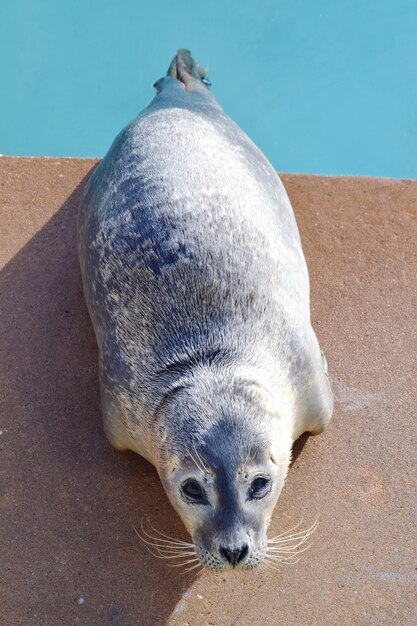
point(184, 68)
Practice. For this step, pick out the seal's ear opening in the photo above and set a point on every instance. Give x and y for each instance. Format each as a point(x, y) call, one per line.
point(281, 461)
point(273, 459)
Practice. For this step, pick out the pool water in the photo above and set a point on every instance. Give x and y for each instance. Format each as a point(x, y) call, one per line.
point(325, 87)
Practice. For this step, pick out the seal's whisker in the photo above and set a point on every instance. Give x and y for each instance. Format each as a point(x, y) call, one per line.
point(168, 544)
point(283, 552)
point(301, 535)
point(165, 538)
point(156, 543)
point(198, 466)
point(288, 555)
point(287, 546)
point(189, 569)
point(264, 565)
point(198, 455)
point(304, 533)
point(166, 553)
point(282, 558)
point(198, 460)
point(163, 557)
point(156, 556)
point(198, 564)
point(289, 531)
point(290, 540)
point(171, 539)
point(169, 549)
point(198, 573)
point(282, 561)
point(185, 563)
point(274, 566)
point(165, 549)
point(151, 547)
point(287, 551)
point(270, 567)
point(276, 559)
point(183, 555)
point(172, 549)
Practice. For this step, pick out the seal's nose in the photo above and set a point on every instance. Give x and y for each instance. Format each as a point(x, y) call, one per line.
point(234, 556)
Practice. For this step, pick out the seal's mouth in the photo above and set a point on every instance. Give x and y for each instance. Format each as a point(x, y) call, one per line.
point(283, 549)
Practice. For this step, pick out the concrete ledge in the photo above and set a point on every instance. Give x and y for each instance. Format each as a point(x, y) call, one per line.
point(68, 553)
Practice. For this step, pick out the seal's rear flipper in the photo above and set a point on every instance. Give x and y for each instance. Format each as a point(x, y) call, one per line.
point(184, 68)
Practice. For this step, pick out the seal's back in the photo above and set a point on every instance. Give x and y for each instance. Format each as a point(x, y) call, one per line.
point(190, 253)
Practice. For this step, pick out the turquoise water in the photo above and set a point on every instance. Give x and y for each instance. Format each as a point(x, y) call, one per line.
point(324, 87)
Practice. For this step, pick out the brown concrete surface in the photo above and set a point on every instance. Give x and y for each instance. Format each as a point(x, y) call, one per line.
point(68, 554)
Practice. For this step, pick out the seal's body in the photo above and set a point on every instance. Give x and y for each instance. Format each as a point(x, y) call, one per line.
point(198, 291)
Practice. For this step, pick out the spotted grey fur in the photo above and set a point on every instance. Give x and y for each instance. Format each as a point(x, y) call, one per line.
point(198, 291)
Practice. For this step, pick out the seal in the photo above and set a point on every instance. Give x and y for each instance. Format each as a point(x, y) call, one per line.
point(198, 292)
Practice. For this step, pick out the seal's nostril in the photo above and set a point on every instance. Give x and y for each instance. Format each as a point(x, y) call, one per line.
point(243, 553)
point(225, 553)
point(234, 556)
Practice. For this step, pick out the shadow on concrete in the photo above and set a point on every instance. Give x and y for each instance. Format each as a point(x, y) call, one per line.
point(69, 549)
point(298, 447)
point(68, 553)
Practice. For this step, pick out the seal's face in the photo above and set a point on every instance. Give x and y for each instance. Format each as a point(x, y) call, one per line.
point(225, 494)
point(227, 509)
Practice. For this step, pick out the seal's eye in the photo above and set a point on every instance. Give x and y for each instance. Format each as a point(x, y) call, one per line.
point(193, 492)
point(260, 487)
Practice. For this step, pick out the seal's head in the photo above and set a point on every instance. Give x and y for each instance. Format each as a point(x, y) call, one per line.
point(224, 456)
